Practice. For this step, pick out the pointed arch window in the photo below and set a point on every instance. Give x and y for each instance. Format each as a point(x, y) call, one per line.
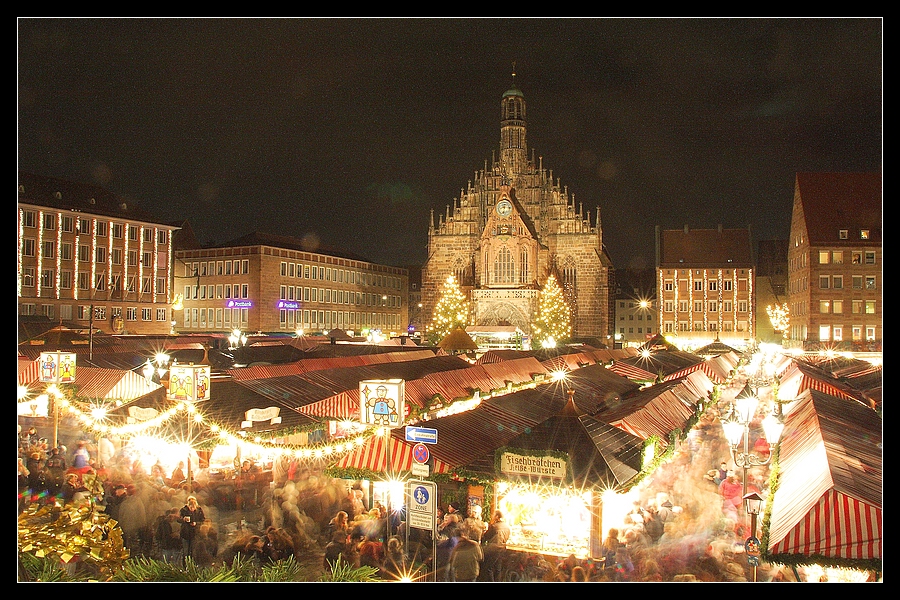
point(524, 267)
point(504, 267)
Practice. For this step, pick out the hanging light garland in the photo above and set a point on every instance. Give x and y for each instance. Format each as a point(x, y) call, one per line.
point(96, 420)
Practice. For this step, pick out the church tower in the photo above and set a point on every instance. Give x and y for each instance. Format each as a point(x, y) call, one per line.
point(509, 229)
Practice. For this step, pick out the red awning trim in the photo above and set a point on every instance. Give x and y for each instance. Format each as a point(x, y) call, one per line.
point(371, 456)
point(837, 527)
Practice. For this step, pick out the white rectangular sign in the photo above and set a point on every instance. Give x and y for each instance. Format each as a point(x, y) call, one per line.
point(421, 500)
point(546, 466)
point(382, 402)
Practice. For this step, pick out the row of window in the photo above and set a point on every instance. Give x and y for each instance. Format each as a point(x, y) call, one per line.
point(836, 282)
point(639, 317)
point(219, 267)
point(289, 269)
point(220, 291)
point(844, 234)
point(835, 333)
point(836, 257)
point(68, 224)
point(102, 283)
point(712, 285)
point(101, 313)
point(712, 305)
point(302, 271)
point(631, 330)
point(225, 318)
point(330, 296)
point(85, 254)
point(669, 327)
point(836, 307)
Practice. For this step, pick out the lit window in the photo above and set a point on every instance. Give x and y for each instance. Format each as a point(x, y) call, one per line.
point(863, 234)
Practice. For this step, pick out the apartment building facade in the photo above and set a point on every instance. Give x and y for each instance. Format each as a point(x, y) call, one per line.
point(706, 286)
point(86, 258)
point(835, 269)
point(635, 307)
point(269, 283)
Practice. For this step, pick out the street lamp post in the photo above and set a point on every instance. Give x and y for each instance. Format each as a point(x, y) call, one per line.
point(753, 505)
point(736, 425)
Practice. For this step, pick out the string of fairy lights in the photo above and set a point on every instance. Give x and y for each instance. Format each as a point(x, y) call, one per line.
point(96, 419)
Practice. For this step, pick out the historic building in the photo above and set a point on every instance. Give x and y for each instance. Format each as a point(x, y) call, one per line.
point(274, 283)
point(835, 271)
point(89, 260)
point(509, 230)
point(635, 307)
point(706, 286)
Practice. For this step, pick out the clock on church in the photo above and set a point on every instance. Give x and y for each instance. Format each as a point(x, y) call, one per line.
point(504, 207)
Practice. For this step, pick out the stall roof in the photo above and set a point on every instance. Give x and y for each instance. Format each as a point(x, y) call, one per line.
point(542, 418)
point(464, 436)
point(94, 383)
point(801, 376)
point(828, 501)
point(659, 409)
point(307, 364)
point(423, 385)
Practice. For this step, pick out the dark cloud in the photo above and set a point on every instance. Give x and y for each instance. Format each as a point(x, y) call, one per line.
point(354, 130)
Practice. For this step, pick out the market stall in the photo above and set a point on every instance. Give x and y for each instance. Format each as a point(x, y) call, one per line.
point(827, 507)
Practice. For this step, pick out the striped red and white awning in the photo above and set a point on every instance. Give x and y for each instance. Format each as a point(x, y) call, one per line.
point(340, 406)
point(837, 527)
point(828, 501)
point(372, 456)
point(631, 372)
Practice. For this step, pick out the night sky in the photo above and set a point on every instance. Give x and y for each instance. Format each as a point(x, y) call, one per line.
point(351, 131)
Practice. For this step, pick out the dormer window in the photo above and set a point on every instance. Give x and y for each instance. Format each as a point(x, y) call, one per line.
point(843, 234)
point(863, 234)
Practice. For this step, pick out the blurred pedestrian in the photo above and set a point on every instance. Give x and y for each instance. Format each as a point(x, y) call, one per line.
point(465, 560)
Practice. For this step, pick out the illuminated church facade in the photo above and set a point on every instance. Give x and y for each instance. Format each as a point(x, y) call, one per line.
point(511, 228)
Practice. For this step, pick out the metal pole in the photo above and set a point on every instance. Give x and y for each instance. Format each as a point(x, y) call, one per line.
point(190, 474)
point(387, 493)
point(55, 422)
point(753, 535)
point(746, 454)
point(91, 335)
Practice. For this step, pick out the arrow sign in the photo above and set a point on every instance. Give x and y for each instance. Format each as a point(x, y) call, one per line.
point(421, 434)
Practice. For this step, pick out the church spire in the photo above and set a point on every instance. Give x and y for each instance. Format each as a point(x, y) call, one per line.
point(513, 148)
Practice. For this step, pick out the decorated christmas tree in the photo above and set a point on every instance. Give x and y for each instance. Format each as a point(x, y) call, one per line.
point(553, 323)
point(450, 312)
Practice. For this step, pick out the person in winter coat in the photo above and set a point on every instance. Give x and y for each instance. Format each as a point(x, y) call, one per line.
point(191, 516)
point(465, 560)
point(168, 536)
point(132, 520)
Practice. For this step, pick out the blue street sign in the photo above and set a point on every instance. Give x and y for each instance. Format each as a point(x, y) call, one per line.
point(421, 434)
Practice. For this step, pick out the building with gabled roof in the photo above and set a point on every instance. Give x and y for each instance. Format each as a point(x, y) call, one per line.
point(835, 270)
point(706, 286)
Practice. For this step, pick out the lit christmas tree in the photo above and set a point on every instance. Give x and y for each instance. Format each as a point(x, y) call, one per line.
point(451, 311)
point(553, 323)
point(780, 316)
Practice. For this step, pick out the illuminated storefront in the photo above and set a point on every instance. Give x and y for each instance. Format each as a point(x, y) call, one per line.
point(547, 519)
